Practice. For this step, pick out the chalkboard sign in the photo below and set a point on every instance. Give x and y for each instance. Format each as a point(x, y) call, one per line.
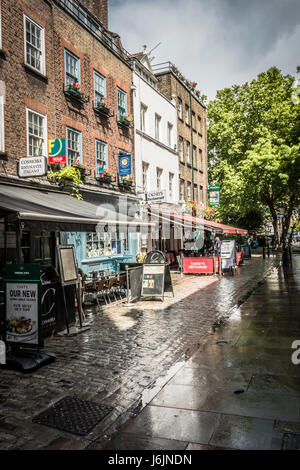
point(68, 271)
point(153, 280)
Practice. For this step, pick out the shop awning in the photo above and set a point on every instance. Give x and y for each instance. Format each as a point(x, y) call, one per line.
point(207, 224)
point(59, 211)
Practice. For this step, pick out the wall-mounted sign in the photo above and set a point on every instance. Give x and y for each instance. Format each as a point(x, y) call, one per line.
point(213, 195)
point(57, 151)
point(124, 165)
point(156, 196)
point(32, 166)
point(23, 304)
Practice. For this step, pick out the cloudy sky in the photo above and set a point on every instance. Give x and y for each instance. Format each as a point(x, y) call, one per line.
point(216, 43)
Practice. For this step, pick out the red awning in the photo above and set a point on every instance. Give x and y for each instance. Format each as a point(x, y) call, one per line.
point(206, 223)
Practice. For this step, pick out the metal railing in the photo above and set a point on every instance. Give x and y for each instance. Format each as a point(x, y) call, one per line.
point(93, 25)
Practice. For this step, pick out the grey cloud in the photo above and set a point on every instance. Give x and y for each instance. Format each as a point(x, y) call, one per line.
point(214, 42)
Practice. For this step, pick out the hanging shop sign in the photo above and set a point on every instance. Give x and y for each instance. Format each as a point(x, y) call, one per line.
point(153, 280)
point(22, 287)
point(213, 195)
point(124, 165)
point(32, 166)
point(57, 151)
point(156, 196)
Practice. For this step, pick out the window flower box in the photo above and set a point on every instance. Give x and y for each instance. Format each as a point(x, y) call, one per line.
point(124, 120)
point(104, 177)
point(78, 166)
point(102, 107)
point(128, 181)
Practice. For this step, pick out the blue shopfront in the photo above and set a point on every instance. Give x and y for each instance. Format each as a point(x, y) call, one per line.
point(104, 249)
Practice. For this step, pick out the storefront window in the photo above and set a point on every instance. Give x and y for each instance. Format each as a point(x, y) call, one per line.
point(105, 244)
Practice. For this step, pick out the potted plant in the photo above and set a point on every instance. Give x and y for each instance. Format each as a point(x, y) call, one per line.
point(128, 180)
point(67, 177)
point(198, 93)
point(73, 89)
point(124, 119)
point(106, 176)
point(102, 105)
point(78, 166)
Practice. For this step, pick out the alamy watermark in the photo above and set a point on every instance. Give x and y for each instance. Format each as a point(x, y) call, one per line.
point(296, 353)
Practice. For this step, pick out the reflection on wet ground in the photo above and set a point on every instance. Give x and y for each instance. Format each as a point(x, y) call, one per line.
point(240, 390)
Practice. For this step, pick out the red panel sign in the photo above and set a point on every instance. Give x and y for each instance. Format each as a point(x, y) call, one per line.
point(198, 265)
point(53, 160)
point(239, 258)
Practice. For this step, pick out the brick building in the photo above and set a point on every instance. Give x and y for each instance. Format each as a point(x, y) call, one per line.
point(191, 132)
point(45, 47)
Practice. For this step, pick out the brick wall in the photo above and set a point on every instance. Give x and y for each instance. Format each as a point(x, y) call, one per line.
point(169, 85)
point(99, 9)
point(46, 95)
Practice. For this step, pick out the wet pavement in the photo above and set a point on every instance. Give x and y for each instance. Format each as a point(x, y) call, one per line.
point(129, 354)
point(240, 390)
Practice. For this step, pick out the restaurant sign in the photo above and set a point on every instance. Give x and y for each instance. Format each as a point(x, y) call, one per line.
point(198, 265)
point(32, 166)
point(156, 196)
point(22, 287)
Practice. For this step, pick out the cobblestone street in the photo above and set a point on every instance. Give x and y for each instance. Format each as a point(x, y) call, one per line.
point(125, 351)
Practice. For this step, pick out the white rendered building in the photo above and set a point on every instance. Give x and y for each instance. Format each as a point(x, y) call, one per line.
point(155, 133)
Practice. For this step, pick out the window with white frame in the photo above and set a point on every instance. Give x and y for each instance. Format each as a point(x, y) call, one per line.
point(187, 114)
point(171, 185)
point(201, 160)
point(99, 87)
point(189, 191)
point(188, 152)
point(145, 168)
point(180, 148)
point(181, 190)
point(195, 156)
point(201, 194)
point(170, 128)
point(36, 134)
point(179, 108)
point(34, 41)
point(101, 153)
point(157, 126)
point(122, 103)
point(2, 146)
point(196, 192)
point(74, 146)
point(159, 178)
point(72, 68)
point(143, 117)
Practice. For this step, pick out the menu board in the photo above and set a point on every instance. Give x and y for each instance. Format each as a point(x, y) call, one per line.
point(153, 280)
point(67, 264)
point(22, 306)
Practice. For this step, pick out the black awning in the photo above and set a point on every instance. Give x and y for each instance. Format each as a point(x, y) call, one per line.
point(58, 211)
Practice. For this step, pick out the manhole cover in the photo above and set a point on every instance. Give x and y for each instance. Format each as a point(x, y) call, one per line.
point(71, 414)
point(290, 441)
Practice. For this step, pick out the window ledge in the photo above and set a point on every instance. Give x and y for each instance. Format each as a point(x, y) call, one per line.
point(182, 163)
point(180, 119)
point(187, 124)
point(199, 133)
point(2, 54)
point(35, 73)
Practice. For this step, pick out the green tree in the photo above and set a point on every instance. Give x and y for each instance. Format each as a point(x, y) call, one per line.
point(253, 138)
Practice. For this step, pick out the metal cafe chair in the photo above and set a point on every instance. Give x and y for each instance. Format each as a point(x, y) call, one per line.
point(121, 285)
point(101, 290)
point(111, 287)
